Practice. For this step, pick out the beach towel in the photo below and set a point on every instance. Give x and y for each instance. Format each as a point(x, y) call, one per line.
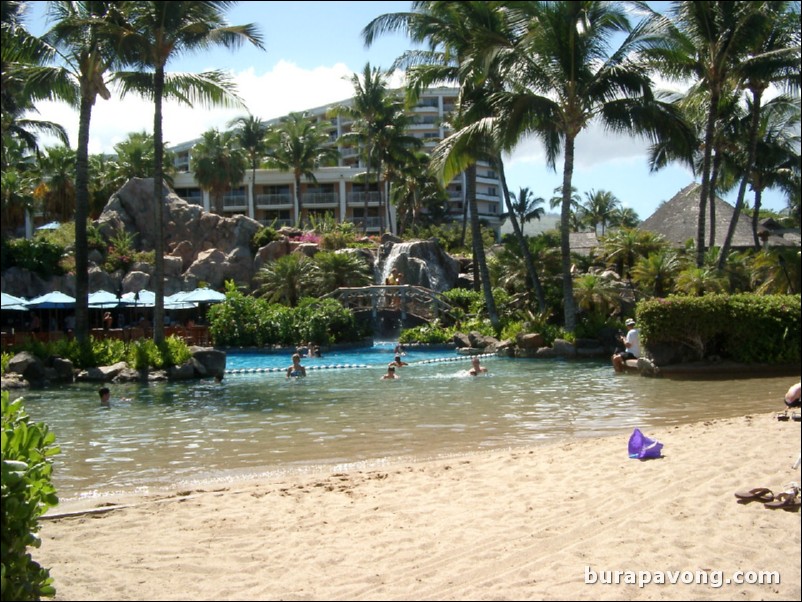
point(643, 448)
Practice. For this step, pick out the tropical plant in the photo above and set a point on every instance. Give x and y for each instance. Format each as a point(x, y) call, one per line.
point(341, 269)
point(526, 206)
point(565, 73)
point(250, 133)
point(27, 493)
point(596, 293)
point(700, 281)
point(219, 164)
point(368, 110)
point(599, 207)
point(299, 145)
point(707, 43)
point(157, 33)
point(287, 279)
point(656, 272)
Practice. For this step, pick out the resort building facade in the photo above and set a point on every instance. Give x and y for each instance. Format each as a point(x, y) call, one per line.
point(268, 196)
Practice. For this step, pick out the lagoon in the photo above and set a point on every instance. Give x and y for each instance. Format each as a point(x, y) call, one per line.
point(257, 423)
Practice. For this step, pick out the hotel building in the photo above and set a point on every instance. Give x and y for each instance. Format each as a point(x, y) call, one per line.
point(269, 197)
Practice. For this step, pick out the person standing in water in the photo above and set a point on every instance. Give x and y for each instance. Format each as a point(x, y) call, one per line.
point(296, 370)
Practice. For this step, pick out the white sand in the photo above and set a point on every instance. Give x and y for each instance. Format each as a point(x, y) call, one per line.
point(516, 524)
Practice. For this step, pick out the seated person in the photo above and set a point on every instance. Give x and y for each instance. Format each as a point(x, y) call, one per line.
point(631, 347)
point(296, 370)
point(476, 369)
point(390, 372)
point(792, 397)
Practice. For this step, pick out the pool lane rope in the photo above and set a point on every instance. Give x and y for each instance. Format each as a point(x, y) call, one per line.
point(350, 366)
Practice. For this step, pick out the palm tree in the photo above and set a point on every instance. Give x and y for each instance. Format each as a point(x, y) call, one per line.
point(336, 269)
point(84, 36)
point(707, 42)
point(596, 293)
point(564, 76)
point(525, 206)
point(299, 145)
point(698, 281)
point(369, 109)
point(159, 32)
point(251, 133)
point(622, 248)
point(395, 148)
point(26, 76)
point(219, 164)
point(287, 279)
point(57, 189)
point(624, 217)
point(452, 31)
point(599, 207)
point(657, 272)
point(775, 59)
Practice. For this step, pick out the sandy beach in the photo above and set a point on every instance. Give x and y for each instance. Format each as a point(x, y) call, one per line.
point(556, 521)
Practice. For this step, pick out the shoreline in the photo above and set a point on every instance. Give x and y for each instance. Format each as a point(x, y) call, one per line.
point(518, 523)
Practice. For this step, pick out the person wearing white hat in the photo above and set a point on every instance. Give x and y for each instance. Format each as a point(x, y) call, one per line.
point(631, 347)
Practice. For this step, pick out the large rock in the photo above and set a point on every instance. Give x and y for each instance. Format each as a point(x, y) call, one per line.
point(190, 233)
point(422, 263)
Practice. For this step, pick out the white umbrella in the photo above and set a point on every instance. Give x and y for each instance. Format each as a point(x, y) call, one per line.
point(143, 298)
point(13, 303)
point(106, 300)
point(203, 295)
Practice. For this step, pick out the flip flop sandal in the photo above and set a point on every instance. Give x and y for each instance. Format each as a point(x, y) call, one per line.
point(784, 501)
point(784, 417)
point(758, 494)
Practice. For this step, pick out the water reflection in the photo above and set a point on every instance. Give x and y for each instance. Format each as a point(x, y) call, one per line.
point(174, 433)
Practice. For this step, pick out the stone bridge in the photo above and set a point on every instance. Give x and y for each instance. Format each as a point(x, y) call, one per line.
point(406, 299)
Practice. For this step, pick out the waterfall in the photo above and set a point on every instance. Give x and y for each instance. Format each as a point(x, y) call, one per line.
point(423, 263)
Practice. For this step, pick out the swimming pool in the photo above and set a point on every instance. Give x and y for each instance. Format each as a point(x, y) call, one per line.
point(178, 434)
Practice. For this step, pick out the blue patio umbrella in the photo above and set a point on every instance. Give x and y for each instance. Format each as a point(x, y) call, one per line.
point(106, 300)
point(52, 300)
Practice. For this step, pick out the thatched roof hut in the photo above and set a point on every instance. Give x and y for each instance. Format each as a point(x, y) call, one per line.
point(677, 220)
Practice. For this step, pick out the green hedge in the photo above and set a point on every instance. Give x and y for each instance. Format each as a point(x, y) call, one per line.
point(744, 328)
point(27, 493)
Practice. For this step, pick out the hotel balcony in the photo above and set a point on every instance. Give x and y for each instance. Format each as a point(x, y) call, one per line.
point(357, 199)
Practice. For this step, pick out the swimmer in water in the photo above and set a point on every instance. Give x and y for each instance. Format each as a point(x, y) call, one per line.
point(296, 370)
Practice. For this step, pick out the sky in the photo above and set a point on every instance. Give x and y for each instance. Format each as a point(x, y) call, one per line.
point(311, 51)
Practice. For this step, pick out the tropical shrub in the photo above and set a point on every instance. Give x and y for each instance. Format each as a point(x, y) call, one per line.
point(27, 493)
point(745, 328)
point(38, 255)
point(426, 334)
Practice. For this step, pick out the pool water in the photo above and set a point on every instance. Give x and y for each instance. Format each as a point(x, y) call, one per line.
point(177, 434)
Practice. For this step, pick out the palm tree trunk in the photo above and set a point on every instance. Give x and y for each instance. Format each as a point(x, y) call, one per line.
point(705, 191)
point(158, 213)
point(519, 235)
point(712, 201)
point(298, 203)
point(81, 216)
point(756, 217)
point(479, 252)
point(750, 161)
point(569, 306)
